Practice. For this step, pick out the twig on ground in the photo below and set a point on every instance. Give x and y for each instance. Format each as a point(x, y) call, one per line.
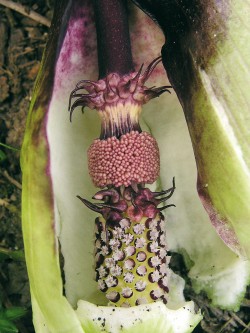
point(27, 64)
point(246, 329)
point(241, 322)
point(12, 180)
point(229, 322)
point(4, 202)
point(26, 12)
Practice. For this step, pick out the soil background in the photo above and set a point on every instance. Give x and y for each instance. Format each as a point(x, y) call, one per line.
point(22, 41)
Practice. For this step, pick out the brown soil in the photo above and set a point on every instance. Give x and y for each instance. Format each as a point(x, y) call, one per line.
point(22, 41)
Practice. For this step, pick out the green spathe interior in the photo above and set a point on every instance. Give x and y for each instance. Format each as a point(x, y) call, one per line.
point(222, 167)
point(212, 85)
point(214, 267)
point(55, 171)
point(227, 165)
point(155, 317)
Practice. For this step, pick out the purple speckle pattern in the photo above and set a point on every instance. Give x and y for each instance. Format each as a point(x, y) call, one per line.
point(78, 54)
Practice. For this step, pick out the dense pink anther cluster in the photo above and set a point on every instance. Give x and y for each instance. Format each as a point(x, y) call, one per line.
point(132, 158)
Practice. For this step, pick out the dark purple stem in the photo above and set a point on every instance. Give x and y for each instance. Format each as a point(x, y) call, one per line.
point(114, 49)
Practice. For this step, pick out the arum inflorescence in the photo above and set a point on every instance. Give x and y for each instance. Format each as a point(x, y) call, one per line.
point(201, 82)
point(131, 261)
point(130, 245)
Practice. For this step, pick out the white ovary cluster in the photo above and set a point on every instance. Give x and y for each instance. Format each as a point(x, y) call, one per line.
point(131, 262)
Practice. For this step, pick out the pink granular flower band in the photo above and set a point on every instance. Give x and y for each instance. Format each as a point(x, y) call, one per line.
point(134, 157)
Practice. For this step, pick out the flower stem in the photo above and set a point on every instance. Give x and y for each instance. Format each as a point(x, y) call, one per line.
point(113, 41)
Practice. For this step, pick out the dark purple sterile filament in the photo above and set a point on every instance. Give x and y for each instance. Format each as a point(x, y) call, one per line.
point(141, 198)
point(117, 98)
